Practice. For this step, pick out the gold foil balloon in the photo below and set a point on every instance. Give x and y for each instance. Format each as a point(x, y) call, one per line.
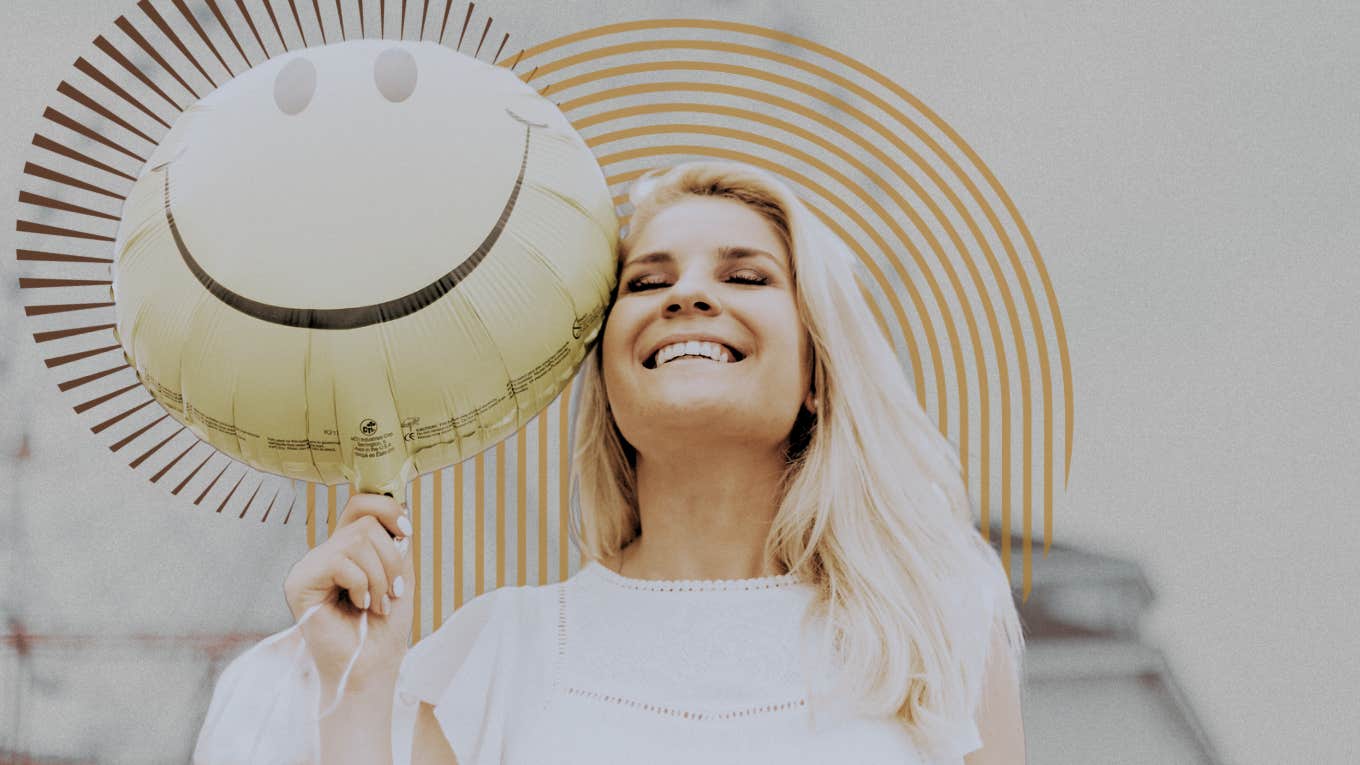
point(364, 261)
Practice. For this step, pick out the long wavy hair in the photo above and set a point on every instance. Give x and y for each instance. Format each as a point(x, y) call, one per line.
point(874, 512)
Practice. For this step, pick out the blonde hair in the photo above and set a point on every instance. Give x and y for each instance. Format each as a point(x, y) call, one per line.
point(873, 508)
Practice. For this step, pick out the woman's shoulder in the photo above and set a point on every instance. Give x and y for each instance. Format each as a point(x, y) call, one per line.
point(510, 624)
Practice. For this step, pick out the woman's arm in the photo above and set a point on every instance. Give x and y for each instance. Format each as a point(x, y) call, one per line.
point(998, 716)
point(429, 746)
point(360, 728)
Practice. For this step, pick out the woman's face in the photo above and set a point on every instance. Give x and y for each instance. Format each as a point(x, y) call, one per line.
point(706, 268)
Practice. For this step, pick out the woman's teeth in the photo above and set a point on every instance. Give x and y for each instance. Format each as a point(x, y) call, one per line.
point(707, 350)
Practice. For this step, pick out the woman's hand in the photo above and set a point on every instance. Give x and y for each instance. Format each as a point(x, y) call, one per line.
point(364, 565)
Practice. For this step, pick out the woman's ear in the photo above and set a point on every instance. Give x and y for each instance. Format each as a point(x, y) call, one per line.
point(811, 403)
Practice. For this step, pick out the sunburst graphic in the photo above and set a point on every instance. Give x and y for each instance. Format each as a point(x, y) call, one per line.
point(948, 266)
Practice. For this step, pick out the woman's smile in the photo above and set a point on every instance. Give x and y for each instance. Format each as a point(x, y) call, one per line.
point(705, 329)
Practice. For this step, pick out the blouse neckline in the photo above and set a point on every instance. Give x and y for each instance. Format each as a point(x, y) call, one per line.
point(690, 585)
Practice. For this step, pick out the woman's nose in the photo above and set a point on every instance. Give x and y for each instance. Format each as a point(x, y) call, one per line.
point(693, 298)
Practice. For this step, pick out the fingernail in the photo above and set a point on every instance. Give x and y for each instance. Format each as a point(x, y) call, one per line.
point(398, 587)
point(402, 545)
point(404, 525)
point(368, 600)
point(386, 605)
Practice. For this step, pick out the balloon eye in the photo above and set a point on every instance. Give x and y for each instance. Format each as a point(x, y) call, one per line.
point(395, 74)
point(294, 86)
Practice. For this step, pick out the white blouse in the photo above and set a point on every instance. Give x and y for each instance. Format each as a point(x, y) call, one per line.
point(599, 669)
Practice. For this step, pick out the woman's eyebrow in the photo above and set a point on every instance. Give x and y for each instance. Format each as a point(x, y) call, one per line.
point(736, 253)
point(651, 257)
point(724, 253)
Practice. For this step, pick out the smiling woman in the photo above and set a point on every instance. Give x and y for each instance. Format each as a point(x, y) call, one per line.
point(810, 458)
point(780, 561)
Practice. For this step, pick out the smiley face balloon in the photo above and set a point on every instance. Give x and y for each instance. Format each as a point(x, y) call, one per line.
point(364, 261)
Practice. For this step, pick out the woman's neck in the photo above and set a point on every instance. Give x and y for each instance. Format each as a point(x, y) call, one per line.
point(705, 515)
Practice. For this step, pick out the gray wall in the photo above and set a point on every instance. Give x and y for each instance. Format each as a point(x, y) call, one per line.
point(1192, 175)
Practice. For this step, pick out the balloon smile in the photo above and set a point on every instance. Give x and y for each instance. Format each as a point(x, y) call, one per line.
point(356, 316)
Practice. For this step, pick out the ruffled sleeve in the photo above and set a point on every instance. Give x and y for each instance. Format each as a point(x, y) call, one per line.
point(263, 708)
point(993, 600)
point(469, 672)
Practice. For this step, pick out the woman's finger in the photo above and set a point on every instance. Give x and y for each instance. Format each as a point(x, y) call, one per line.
point(391, 551)
point(350, 577)
point(362, 552)
point(387, 511)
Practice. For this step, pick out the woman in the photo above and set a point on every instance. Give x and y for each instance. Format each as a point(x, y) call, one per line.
point(781, 564)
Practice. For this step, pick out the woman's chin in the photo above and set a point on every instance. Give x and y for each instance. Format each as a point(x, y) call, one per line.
point(695, 419)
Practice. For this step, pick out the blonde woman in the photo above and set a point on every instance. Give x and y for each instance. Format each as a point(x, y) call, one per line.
point(780, 562)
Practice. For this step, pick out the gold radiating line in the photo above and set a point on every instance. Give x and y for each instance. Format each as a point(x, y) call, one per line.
point(1014, 261)
point(478, 520)
point(211, 484)
point(500, 513)
point(292, 5)
point(38, 171)
point(43, 337)
point(79, 381)
point(236, 486)
point(250, 22)
point(159, 21)
point(993, 183)
point(27, 197)
point(621, 135)
point(43, 142)
point(445, 23)
point(61, 119)
point(253, 494)
point(543, 497)
point(521, 495)
point(123, 61)
point(275, 21)
point(137, 434)
point(57, 361)
point(438, 523)
point(563, 478)
point(131, 31)
point(193, 22)
point(272, 500)
point(137, 462)
point(321, 24)
point(192, 473)
point(330, 511)
point(174, 461)
point(43, 310)
point(103, 79)
point(417, 510)
point(466, 19)
point(845, 132)
point(71, 92)
point(117, 418)
point(485, 29)
point(458, 534)
point(81, 408)
point(222, 21)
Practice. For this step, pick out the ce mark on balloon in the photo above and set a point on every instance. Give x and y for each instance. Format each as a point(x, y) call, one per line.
point(357, 316)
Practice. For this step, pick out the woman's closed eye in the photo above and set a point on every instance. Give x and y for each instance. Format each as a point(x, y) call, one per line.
point(653, 281)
